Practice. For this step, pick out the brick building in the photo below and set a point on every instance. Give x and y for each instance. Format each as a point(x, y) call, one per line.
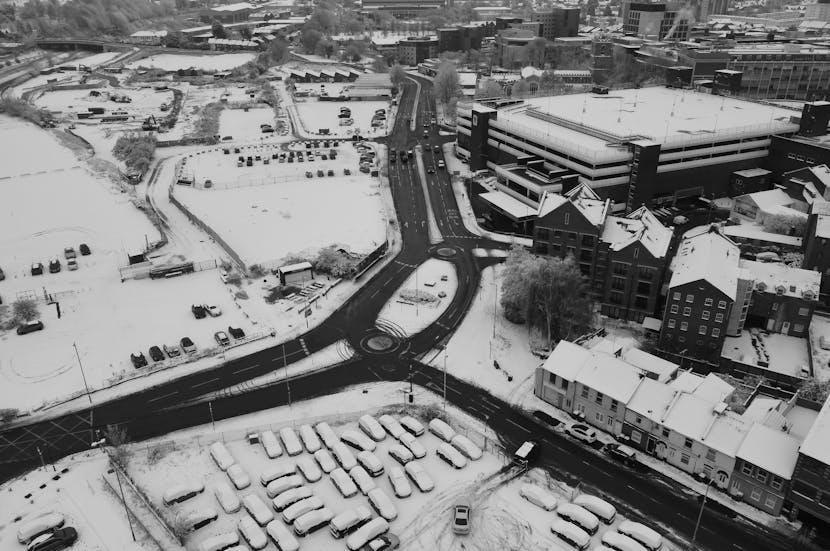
point(415, 49)
point(623, 257)
point(817, 245)
point(558, 22)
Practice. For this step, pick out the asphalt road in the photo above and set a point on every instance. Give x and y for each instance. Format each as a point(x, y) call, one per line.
point(174, 405)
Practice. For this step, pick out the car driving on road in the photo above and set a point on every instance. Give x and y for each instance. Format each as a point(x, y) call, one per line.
point(461, 517)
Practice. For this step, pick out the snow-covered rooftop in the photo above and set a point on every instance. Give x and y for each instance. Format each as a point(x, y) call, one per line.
point(589, 203)
point(239, 6)
point(750, 231)
point(773, 351)
point(708, 256)
point(769, 199)
point(761, 407)
point(817, 442)
point(508, 204)
point(640, 225)
point(651, 399)
point(726, 433)
point(671, 117)
point(713, 388)
point(664, 369)
point(689, 415)
point(566, 360)
point(772, 450)
point(149, 34)
point(822, 211)
point(781, 279)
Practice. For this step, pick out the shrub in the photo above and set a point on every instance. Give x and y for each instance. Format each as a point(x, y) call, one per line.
point(135, 150)
point(8, 414)
point(25, 309)
point(334, 262)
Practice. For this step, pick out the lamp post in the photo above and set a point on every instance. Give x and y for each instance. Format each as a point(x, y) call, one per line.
point(83, 375)
point(102, 443)
point(700, 514)
point(445, 380)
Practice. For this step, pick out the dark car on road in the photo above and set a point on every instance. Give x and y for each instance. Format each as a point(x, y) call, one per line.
point(621, 453)
point(138, 359)
point(198, 311)
point(547, 419)
point(29, 327)
point(56, 540)
point(156, 354)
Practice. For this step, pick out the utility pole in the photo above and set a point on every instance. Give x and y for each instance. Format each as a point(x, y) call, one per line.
point(445, 380)
point(287, 384)
point(102, 443)
point(83, 375)
point(212, 421)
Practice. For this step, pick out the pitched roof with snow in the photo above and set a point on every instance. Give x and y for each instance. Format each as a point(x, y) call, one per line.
point(768, 200)
point(725, 433)
point(652, 399)
point(772, 450)
point(817, 442)
point(589, 203)
point(566, 360)
point(781, 279)
point(713, 388)
point(707, 256)
point(689, 415)
point(664, 369)
point(639, 226)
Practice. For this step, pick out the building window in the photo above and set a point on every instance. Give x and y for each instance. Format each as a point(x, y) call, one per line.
point(746, 469)
point(722, 304)
point(755, 495)
point(687, 442)
point(708, 302)
point(557, 234)
point(803, 311)
point(705, 315)
point(613, 405)
point(701, 330)
point(598, 417)
point(636, 436)
point(684, 325)
point(774, 306)
point(690, 298)
point(543, 233)
point(638, 420)
point(563, 383)
point(567, 218)
point(665, 432)
point(555, 248)
point(672, 323)
point(598, 398)
point(719, 318)
point(776, 482)
point(641, 303)
point(761, 475)
point(798, 328)
point(687, 311)
point(674, 309)
point(676, 296)
point(646, 273)
point(681, 339)
point(620, 268)
point(587, 240)
point(644, 288)
point(684, 458)
point(770, 502)
point(571, 236)
point(586, 254)
point(584, 391)
point(710, 455)
point(618, 283)
point(715, 332)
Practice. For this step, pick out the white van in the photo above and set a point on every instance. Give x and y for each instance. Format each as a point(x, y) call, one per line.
point(326, 460)
point(309, 469)
point(219, 542)
point(300, 508)
point(538, 496)
point(290, 497)
point(238, 476)
point(198, 518)
point(280, 485)
point(372, 529)
point(343, 482)
point(466, 447)
point(326, 434)
point(362, 479)
point(252, 533)
point(38, 525)
point(182, 492)
point(227, 498)
point(357, 440)
point(275, 472)
point(570, 533)
point(451, 456)
point(344, 456)
point(371, 427)
point(382, 505)
point(348, 521)
point(221, 456)
point(619, 542)
point(311, 441)
point(313, 520)
point(257, 509)
point(290, 441)
point(413, 445)
point(391, 425)
point(270, 444)
point(442, 430)
point(282, 536)
point(412, 425)
point(641, 533)
point(370, 462)
point(579, 516)
point(601, 508)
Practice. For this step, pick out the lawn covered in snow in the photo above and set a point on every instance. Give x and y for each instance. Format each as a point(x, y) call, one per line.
point(422, 298)
point(245, 125)
point(277, 211)
point(174, 62)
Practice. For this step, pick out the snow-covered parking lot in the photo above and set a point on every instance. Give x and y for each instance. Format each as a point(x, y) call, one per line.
point(244, 125)
point(174, 62)
point(144, 101)
point(268, 212)
point(317, 114)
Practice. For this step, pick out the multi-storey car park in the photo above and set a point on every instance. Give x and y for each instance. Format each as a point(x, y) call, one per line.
point(634, 146)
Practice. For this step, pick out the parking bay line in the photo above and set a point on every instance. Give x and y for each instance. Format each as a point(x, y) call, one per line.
point(205, 382)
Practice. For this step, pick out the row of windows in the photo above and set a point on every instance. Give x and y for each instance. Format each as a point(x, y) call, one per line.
point(713, 155)
point(687, 311)
point(701, 330)
point(700, 343)
point(690, 298)
point(762, 476)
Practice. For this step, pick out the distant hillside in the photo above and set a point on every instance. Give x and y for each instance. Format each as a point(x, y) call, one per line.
point(86, 18)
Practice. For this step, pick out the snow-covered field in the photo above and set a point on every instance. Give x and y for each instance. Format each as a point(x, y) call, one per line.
point(434, 282)
point(271, 211)
point(244, 125)
point(324, 114)
point(174, 62)
point(145, 101)
point(783, 353)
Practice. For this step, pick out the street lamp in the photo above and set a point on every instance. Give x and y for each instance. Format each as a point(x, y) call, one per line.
point(445, 380)
point(700, 513)
point(102, 443)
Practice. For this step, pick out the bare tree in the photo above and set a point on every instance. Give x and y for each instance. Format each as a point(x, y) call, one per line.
point(521, 89)
point(489, 88)
point(446, 84)
point(398, 75)
point(117, 439)
point(25, 309)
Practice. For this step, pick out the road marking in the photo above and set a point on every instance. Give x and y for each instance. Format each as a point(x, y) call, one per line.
point(246, 368)
point(491, 409)
point(162, 397)
point(205, 382)
point(521, 427)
